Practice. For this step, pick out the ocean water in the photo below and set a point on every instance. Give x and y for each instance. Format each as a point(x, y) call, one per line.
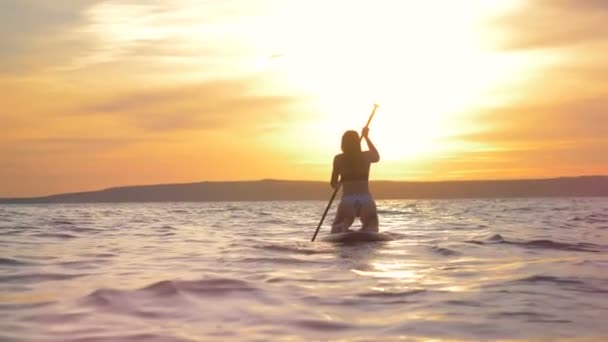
point(497, 269)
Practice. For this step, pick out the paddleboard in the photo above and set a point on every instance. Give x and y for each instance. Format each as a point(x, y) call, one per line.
point(357, 236)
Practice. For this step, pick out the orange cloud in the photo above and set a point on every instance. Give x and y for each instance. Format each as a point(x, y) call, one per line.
point(213, 105)
point(535, 25)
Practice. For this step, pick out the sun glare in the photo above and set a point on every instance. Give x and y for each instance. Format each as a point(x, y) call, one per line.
point(423, 62)
point(428, 64)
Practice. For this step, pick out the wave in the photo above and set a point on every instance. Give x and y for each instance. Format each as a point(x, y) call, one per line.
point(496, 237)
point(599, 263)
point(280, 261)
point(61, 222)
point(543, 244)
point(83, 230)
point(179, 211)
point(462, 302)
point(391, 294)
point(549, 279)
point(444, 251)
point(23, 306)
point(275, 222)
point(579, 246)
point(284, 279)
point(168, 289)
point(166, 227)
point(38, 277)
point(16, 231)
point(55, 235)
point(323, 325)
point(519, 209)
point(294, 249)
point(530, 316)
point(567, 283)
point(130, 338)
point(387, 212)
point(591, 218)
point(391, 297)
point(14, 262)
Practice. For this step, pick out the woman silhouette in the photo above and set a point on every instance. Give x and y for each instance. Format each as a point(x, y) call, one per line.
point(351, 168)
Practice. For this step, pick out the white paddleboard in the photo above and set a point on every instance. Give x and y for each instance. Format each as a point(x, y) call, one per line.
point(357, 236)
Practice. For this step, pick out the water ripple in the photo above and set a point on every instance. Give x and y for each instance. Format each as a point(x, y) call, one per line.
point(495, 269)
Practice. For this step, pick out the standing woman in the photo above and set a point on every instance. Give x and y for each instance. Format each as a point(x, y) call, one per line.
point(351, 168)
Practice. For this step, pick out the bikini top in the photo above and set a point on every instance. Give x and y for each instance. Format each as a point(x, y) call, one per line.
point(350, 177)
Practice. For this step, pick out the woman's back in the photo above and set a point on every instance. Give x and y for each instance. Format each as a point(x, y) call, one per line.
point(354, 171)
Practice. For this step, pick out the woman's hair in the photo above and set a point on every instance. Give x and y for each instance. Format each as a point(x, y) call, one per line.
point(351, 144)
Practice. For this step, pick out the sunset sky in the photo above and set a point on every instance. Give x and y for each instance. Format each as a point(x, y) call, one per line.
point(96, 93)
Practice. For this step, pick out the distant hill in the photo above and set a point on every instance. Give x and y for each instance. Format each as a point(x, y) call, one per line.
point(277, 190)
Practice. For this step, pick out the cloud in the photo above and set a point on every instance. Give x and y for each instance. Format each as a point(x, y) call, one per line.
point(584, 119)
point(89, 144)
point(569, 5)
point(561, 118)
point(212, 105)
point(552, 160)
point(33, 19)
point(555, 23)
point(45, 35)
point(38, 34)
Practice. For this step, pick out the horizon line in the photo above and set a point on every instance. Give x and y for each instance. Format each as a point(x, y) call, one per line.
point(295, 180)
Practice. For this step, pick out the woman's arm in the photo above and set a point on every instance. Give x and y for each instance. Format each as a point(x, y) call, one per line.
point(373, 152)
point(335, 173)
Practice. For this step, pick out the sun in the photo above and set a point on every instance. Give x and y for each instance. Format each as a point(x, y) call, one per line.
point(424, 62)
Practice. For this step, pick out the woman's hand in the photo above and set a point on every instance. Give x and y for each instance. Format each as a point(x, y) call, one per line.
point(334, 185)
point(364, 132)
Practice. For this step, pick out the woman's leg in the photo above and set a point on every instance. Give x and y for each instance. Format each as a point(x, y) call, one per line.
point(345, 216)
point(369, 217)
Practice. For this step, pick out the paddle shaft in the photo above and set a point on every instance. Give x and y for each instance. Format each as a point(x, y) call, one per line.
point(340, 184)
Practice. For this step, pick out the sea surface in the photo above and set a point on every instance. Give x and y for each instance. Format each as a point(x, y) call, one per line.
point(463, 270)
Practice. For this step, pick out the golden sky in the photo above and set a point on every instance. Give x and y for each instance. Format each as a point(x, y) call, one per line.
point(98, 93)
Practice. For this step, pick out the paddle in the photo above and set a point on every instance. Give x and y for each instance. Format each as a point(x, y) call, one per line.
point(339, 184)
